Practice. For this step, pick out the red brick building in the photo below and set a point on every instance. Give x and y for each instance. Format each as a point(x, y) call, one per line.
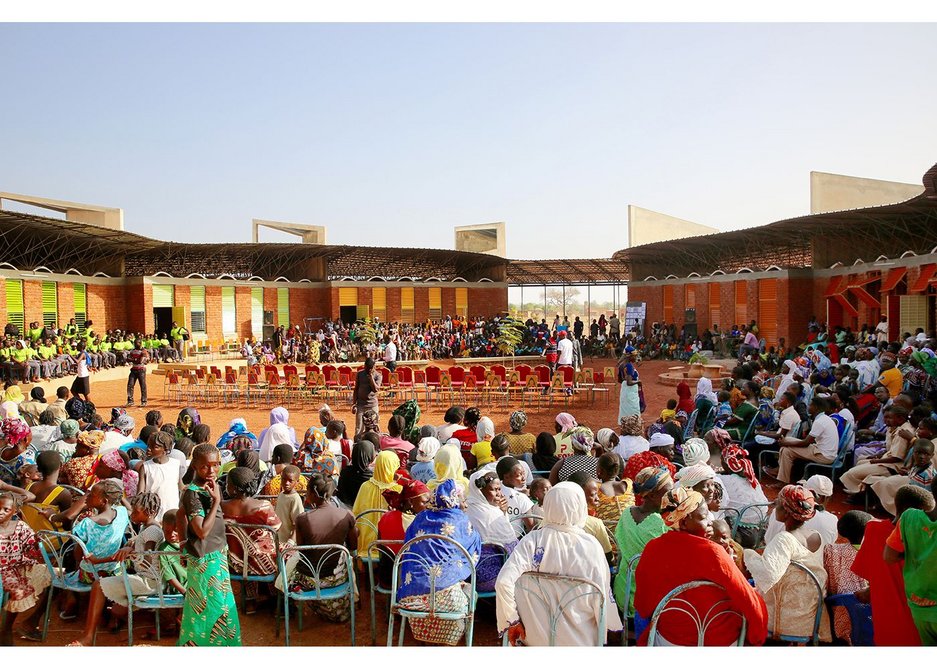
point(846, 268)
point(53, 270)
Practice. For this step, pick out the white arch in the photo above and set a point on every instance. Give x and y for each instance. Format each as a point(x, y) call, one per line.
point(459, 279)
point(651, 278)
point(908, 253)
point(195, 275)
point(43, 268)
point(433, 279)
point(255, 278)
point(773, 267)
point(304, 280)
point(670, 277)
point(485, 280)
point(836, 264)
point(7, 264)
point(159, 273)
point(281, 279)
point(718, 272)
point(226, 276)
point(72, 270)
point(859, 260)
point(378, 278)
point(101, 274)
point(744, 270)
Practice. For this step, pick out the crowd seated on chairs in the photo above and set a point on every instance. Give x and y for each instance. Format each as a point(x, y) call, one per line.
point(437, 519)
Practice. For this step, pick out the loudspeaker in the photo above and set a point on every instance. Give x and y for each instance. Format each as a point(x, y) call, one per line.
point(689, 316)
point(268, 332)
point(268, 317)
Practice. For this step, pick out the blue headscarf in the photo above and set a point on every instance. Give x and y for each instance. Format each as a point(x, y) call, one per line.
point(237, 429)
point(446, 518)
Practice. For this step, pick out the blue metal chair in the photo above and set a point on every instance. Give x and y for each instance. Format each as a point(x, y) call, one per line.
point(58, 553)
point(629, 581)
point(555, 593)
point(370, 518)
point(673, 602)
point(244, 536)
point(814, 637)
point(381, 549)
point(860, 617)
point(498, 555)
point(432, 571)
point(841, 453)
point(164, 598)
point(761, 525)
point(317, 562)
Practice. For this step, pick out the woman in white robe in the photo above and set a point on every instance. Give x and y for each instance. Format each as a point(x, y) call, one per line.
point(560, 547)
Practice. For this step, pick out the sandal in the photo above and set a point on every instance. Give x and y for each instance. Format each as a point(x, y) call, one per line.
point(33, 635)
point(67, 617)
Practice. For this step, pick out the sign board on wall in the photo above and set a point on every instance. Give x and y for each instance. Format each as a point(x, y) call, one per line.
point(635, 314)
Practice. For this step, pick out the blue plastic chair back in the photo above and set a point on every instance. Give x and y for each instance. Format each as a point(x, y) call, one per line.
point(860, 617)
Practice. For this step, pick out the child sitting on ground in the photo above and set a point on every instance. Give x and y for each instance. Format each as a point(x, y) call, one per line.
point(723, 410)
point(280, 461)
point(145, 579)
point(289, 504)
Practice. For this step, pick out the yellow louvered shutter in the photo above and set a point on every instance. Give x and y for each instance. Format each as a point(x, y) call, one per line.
point(406, 305)
point(379, 303)
point(435, 303)
point(162, 296)
point(461, 302)
point(348, 297)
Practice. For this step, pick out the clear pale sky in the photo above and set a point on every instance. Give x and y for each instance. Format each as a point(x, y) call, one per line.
point(394, 134)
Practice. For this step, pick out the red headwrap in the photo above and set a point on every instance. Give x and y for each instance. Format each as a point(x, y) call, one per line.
point(737, 461)
point(798, 502)
point(410, 489)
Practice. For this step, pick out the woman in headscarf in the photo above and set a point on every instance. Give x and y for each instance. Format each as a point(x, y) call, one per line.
point(487, 510)
point(629, 401)
point(274, 435)
point(77, 471)
point(686, 553)
point(313, 455)
point(606, 439)
point(543, 458)
point(660, 453)
point(787, 377)
point(695, 451)
point(582, 441)
point(15, 453)
point(745, 413)
point(701, 478)
point(369, 423)
point(404, 506)
point(640, 524)
point(278, 416)
point(116, 464)
point(359, 471)
point(631, 441)
point(792, 606)
point(449, 465)
point(371, 497)
point(238, 427)
point(424, 469)
point(187, 421)
point(564, 424)
point(742, 489)
point(434, 565)
point(520, 443)
point(561, 547)
point(705, 404)
point(685, 401)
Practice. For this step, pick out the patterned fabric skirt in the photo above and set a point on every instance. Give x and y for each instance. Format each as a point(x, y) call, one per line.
point(336, 610)
point(432, 629)
point(24, 584)
point(209, 614)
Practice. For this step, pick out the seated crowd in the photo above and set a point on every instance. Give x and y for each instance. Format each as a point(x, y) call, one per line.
point(633, 513)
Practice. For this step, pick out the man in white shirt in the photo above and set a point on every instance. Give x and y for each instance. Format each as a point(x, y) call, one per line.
point(881, 330)
point(821, 444)
point(565, 351)
point(390, 354)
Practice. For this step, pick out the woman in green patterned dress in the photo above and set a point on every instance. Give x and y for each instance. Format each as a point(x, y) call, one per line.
point(209, 615)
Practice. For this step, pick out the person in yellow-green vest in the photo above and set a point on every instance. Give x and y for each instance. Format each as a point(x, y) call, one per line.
point(179, 335)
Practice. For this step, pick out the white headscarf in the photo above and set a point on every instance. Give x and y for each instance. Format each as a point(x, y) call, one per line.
point(604, 437)
point(695, 451)
point(9, 409)
point(704, 389)
point(561, 546)
point(427, 448)
point(488, 520)
point(690, 476)
point(787, 379)
point(273, 436)
point(485, 430)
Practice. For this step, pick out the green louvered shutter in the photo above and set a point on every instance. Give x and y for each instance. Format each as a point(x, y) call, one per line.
point(50, 303)
point(162, 296)
point(283, 307)
point(15, 312)
point(81, 305)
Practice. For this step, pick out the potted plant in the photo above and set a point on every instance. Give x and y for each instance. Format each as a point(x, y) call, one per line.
point(697, 360)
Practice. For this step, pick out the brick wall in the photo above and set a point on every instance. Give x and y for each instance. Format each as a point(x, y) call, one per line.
point(421, 304)
point(448, 302)
point(795, 306)
point(107, 307)
point(393, 304)
point(487, 302)
point(65, 298)
point(32, 301)
point(213, 328)
point(309, 303)
point(242, 305)
point(270, 303)
point(140, 308)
